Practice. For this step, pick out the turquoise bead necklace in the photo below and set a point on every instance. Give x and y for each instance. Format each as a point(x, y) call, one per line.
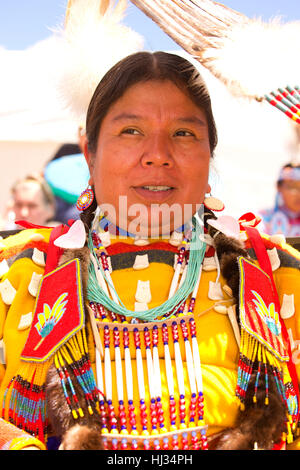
point(96, 294)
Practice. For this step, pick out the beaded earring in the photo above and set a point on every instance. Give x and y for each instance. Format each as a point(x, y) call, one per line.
point(213, 203)
point(85, 199)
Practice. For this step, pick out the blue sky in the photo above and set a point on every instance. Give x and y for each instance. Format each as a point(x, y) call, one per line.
point(25, 22)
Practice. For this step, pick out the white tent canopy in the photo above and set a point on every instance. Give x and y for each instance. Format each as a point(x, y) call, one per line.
point(254, 138)
point(30, 109)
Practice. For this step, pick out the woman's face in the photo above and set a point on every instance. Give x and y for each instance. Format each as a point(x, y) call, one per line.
point(150, 168)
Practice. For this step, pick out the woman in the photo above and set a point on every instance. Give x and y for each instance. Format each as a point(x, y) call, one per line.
point(152, 360)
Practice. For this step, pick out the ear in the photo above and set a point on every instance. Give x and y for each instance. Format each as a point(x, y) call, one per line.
point(208, 189)
point(89, 157)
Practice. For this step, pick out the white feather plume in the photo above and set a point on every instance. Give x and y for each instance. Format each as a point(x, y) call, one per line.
point(250, 56)
point(92, 41)
point(257, 57)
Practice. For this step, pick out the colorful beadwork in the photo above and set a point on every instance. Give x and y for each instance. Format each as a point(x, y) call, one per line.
point(177, 295)
point(85, 199)
point(287, 101)
point(186, 412)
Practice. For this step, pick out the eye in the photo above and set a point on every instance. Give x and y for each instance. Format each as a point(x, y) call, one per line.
point(184, 133)
point(131, 131)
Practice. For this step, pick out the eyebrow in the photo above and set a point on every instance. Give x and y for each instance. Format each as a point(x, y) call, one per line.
point(184, 119)
point(192, 120)
point(123, 116)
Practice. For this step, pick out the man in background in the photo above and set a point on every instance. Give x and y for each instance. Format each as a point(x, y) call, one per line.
point(284, 218)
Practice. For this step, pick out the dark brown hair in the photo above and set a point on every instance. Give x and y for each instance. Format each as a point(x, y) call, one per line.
point(142, 67)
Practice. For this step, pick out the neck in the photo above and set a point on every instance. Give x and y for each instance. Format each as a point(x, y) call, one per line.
point(106, 225)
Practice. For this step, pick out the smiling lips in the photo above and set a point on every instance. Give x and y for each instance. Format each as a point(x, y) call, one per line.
point(154, 192)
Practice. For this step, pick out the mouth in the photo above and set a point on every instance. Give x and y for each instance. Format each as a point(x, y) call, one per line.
point(157, 188)
point(157, 193)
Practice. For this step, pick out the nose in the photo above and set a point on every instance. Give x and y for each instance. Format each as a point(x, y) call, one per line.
point(158, 152)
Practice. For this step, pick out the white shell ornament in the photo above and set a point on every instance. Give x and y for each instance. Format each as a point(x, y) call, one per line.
point(227, 225)
point(7, 292)
point(176, 238)
point(34, 284)
point(143, 293)
point(140, 241)
point(287, 309)
point(38, 257)
point(74, 238)
point(274, 258)
point(215, 291)
point(214, 204)
point(141, 262)
point(25, 321)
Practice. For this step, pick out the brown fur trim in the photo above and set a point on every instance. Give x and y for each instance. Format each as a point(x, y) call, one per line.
point(83, 254)
point(258, 423)
point(59, 413)
point(81, 437)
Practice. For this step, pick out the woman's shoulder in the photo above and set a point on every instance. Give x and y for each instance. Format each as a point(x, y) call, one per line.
point(22, 254)
point(14, 245)
point(25, 254)
point(281, 253)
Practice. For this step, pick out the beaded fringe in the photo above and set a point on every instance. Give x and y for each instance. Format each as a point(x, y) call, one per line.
point(255, 358)
point(25, 394)
point(139, 425)
point(26, 399)
point(74, 354)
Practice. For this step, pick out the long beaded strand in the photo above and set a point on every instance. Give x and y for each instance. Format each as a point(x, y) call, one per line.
point(157, 374)
point(108, 382)
point(129, 386)
point(151, 382)
point(119, 378)
point(141, 385)
point(199, 401)
point(190, 368)
point(180, 376)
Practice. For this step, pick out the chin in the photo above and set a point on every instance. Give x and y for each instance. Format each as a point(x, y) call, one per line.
point(153, 228)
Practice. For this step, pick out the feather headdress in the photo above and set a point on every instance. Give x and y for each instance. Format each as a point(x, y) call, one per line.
point(252, 57)
point(92, 40)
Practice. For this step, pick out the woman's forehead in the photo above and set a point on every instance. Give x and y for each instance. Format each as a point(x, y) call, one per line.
point(155, 96)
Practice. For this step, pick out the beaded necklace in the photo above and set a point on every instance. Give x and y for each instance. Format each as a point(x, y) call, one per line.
point(187, 429)
point(99, 273)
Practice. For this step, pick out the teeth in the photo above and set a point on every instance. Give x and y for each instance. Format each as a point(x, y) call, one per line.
point(157, 188)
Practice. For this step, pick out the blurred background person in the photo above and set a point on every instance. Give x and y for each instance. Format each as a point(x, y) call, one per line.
point(284, 218)
point(67, 174)
point(31, 200)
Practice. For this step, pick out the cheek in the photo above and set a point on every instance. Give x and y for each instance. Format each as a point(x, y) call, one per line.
point(196, 170)
point(196, 178)
point(110, 161)
point(107, 177)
